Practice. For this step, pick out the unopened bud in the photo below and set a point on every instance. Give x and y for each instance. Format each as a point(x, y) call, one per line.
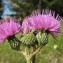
point(42, 38)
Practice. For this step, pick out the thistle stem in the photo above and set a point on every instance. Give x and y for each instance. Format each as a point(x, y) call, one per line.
point(30, 58)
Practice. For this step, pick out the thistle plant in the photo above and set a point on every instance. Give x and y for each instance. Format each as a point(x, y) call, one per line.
point(35, 31)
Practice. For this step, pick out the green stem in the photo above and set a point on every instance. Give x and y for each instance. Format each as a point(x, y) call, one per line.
point(31, 60)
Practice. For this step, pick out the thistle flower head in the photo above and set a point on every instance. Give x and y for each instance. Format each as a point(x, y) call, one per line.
point(25, 26)
point(47, 21)
point(9, 28)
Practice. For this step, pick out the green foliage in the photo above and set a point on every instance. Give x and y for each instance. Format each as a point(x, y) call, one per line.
point(7, 55)
point(56, 5)
point(1, 8)
point(47, 55)
point(25, 7)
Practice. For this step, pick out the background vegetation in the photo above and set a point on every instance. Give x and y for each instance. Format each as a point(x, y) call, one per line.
point(25, 7)
point(1, 8)
point(47, 55)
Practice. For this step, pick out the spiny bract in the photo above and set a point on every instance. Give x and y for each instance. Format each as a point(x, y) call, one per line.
point(42, 38)
point(28, 39)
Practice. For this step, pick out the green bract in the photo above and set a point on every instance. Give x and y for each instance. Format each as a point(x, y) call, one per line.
point(42, 38)
point(28, 39)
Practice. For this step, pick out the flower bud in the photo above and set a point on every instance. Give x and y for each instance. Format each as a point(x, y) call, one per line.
point(42, 38)
point(28, 39)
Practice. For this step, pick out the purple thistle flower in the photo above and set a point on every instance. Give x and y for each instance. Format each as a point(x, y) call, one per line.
point(45, 21)
point(8, 29)
point(25, 26)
